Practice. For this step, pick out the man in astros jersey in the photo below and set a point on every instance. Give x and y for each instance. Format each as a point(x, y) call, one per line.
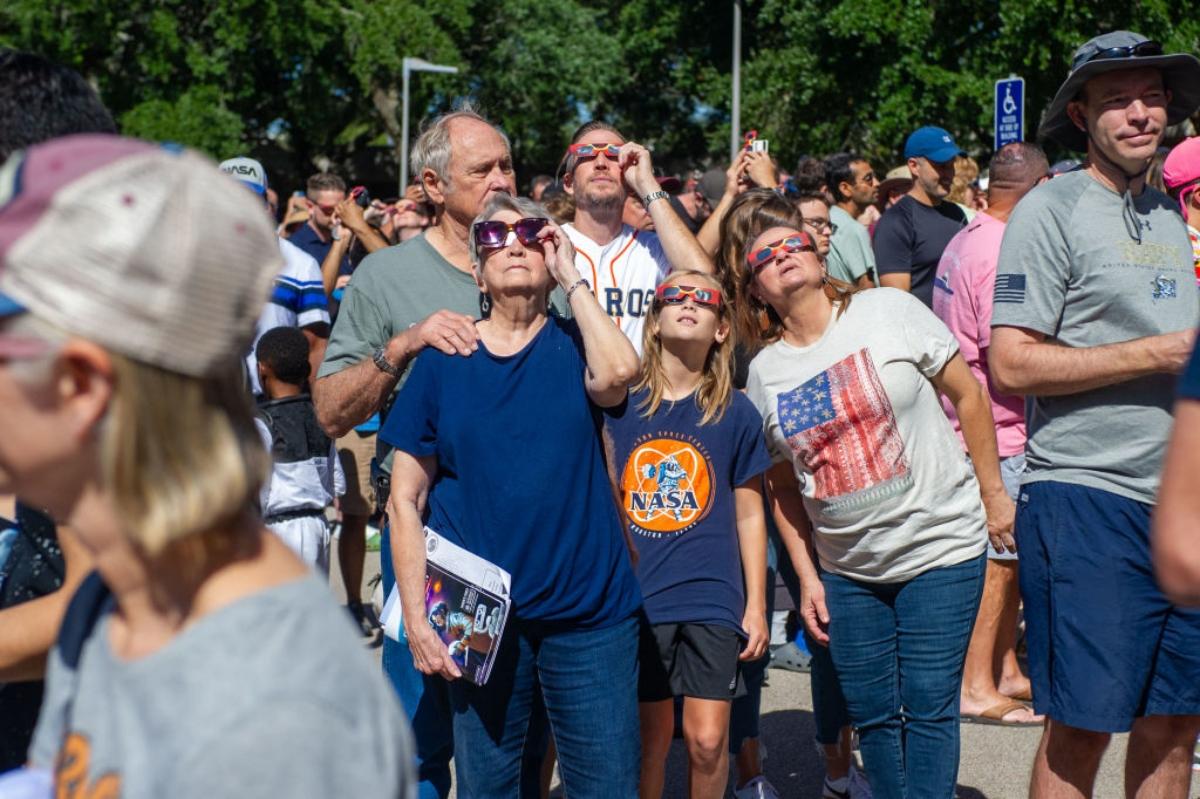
point(623, 265)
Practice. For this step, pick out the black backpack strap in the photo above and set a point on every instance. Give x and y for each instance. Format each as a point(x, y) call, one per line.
point(91, 600)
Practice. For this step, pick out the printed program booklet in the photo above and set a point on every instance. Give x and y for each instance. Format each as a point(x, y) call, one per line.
point(466, 603)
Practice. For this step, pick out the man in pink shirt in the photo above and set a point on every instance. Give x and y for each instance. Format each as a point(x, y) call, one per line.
point(994, 690)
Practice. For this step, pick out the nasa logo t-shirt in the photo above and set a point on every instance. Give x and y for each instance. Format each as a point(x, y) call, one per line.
point(676, 480)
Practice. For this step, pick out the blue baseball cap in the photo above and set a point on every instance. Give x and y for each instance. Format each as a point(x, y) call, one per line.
point(932, 143)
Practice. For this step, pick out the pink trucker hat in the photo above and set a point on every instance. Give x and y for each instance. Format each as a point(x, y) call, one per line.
point(1182, 169)
point(145, 249)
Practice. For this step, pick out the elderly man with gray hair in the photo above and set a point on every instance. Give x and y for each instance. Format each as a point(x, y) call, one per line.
point(420, 293)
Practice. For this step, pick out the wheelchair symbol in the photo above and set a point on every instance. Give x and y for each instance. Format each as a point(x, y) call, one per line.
point(1009, 105)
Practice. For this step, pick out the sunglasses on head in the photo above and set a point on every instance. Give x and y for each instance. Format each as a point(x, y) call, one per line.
point(494, 233)
point(592, 150)
point(793, 243)
point(701, 295)
point(1140, 50)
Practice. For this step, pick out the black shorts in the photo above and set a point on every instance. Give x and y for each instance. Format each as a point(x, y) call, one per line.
point(696, 660)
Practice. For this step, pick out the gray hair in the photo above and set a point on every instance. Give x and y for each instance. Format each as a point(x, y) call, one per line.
point(503, 202)
point(432, 148)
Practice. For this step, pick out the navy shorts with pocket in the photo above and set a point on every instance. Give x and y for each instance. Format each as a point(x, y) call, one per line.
point(1105, 644)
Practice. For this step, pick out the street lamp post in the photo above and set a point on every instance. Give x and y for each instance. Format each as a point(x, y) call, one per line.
point(735, 113)
point(413, 65)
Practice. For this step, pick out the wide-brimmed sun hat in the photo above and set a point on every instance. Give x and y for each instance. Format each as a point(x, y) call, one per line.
point(1115, 51)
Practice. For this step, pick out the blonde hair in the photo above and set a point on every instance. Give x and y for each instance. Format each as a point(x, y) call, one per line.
point(966, 172)
point(752, 213)
point(716, 384)
point(180, 455)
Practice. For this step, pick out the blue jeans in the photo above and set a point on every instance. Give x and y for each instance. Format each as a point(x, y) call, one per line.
point(588, 681)
point(899, 649)
point(426, 701)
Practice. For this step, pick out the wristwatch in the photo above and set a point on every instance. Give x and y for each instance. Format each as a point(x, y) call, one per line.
point(379, 357)
point(654, 195)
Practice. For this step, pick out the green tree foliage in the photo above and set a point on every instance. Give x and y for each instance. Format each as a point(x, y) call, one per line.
point(308, 84)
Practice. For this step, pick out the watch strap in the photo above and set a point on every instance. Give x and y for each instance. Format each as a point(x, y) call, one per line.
point(379, 357)
point(654, 195)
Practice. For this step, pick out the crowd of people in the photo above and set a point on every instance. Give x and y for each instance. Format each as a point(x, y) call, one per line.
point(924, 405)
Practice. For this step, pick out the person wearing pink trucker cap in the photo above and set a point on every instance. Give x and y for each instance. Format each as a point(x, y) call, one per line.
point(1181, 174)
point(194, 660)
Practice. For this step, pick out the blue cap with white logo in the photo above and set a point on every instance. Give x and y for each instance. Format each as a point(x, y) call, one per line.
point(932, 143)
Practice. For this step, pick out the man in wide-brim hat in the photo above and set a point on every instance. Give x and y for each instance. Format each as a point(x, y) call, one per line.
point(1095, 310)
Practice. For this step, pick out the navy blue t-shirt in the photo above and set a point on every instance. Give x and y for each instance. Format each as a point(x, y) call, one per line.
point(521, 477)
point(677, 480)
point(307, 239)
point(1189, 384)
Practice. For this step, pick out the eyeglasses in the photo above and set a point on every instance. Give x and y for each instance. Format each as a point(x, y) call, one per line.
point(869, 178)
point(701, 295)
point(494, 233)
point(592, 150)
point(764, 255)
point(821, 224)
point(1140, 50)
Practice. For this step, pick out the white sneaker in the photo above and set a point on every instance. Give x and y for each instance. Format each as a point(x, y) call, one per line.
point(856, 787)
point(757, 788)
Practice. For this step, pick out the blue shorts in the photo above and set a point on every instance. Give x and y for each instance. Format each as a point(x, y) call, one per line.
point(1105, 644)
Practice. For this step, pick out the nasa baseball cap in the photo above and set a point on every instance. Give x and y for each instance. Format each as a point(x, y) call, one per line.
point(146, 250)
point(934, 144)
point(248, 171)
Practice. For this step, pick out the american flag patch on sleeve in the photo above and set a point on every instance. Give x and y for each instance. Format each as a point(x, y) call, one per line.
point(1009, 288)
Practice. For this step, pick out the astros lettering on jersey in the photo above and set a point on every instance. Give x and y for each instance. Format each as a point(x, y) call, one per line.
point(623, 275)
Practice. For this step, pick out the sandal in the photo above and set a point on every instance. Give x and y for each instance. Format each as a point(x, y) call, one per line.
point(995, 714)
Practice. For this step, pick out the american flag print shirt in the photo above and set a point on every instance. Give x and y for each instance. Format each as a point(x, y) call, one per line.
point(841, 424)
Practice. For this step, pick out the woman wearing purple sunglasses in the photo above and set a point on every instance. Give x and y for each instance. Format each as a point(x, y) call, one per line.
point(500, 452)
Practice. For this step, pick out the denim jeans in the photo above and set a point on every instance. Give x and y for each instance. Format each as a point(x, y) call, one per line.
point(899, 649)
point(588, 681)
point(426, 702)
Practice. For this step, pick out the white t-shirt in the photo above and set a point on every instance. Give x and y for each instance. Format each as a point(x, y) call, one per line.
point(623, 275)
point(297, 300)
point(885, 483)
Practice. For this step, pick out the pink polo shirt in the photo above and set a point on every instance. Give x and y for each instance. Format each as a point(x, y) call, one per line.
point(962, 298)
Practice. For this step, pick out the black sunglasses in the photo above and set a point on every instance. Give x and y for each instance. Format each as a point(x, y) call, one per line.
point(1140, 50)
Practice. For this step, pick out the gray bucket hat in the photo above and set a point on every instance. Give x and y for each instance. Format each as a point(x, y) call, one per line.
point(1115, 51)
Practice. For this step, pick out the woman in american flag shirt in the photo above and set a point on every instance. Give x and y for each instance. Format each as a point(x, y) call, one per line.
point(884, 519)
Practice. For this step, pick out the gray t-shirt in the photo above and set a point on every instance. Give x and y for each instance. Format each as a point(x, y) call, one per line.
point(390, 291)
point(272, 695)
point(1070, 269)
point(850, 254)
point(882, 475)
